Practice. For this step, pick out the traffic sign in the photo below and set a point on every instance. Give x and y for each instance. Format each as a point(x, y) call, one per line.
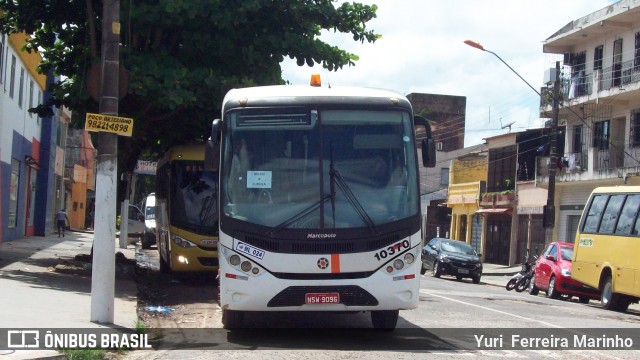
point(108, 123)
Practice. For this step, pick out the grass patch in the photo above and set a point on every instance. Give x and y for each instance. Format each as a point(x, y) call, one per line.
point(85, 354)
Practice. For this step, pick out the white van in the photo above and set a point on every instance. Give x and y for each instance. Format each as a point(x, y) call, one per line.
point(149, 221)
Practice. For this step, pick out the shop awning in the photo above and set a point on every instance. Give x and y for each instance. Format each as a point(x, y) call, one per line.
point(494, 211)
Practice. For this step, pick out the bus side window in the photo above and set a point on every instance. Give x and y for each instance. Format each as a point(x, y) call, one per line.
point(628, 215)
point(611, 214)
point(595, 213)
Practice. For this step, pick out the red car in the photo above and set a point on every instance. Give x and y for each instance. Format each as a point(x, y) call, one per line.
point(552, 273)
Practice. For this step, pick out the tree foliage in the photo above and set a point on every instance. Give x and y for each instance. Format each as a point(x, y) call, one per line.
point(182, 55)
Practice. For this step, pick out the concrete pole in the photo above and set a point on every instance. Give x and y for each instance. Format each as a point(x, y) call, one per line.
point(549, 210)
point(103, 273)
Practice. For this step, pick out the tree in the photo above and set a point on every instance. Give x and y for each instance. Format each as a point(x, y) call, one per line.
point(181, 55)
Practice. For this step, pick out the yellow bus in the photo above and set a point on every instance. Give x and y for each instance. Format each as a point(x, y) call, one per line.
point(186, 211)
point(607, 245)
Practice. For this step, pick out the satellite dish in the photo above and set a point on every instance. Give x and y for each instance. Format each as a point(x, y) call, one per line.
point(506, 125)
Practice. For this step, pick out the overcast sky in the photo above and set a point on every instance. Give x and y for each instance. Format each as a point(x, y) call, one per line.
point(422, 50)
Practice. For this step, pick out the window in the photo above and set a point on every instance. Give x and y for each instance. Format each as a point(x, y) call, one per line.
point(611, 214)
point(636, 55)
point(601, 132)
point(594, 213)
point(628, 215)
point(550, 250)
point(13, 77)
point(1, 58)
point(444, 176)
point(617, 63)
point(13, 193)
point(30, 96)
point(598, 53)
point(21, 94)
point(635, 128)
point(577, 138)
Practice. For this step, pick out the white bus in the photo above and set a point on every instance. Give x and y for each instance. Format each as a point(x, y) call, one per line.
point(319, 201)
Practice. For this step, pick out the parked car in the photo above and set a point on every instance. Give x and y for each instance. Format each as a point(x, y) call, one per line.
point(552, 273)
point(451, 257)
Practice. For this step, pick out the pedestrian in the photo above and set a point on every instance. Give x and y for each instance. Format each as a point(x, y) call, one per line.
point(61, 217)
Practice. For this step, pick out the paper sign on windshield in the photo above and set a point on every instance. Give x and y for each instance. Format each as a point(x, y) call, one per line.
point(259, 179)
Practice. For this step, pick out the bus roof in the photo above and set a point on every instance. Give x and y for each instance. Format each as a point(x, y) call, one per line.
point(291, 95)
point(617, 189)
point(194, 151)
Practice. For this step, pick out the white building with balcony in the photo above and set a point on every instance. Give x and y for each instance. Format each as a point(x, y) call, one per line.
point(599, 105)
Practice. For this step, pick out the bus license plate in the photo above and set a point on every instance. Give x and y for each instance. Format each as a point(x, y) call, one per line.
point(463, 271)
point(322, 298)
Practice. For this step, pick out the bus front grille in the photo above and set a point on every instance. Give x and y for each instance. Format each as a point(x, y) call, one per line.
point(350, 295)
point(208, 261)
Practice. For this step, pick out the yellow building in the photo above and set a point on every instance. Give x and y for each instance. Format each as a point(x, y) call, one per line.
point(467, 178)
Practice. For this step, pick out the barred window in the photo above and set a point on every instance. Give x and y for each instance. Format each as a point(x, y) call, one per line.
point(635, 127)
point(601, 133)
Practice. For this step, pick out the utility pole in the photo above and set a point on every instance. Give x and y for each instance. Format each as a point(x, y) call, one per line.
point(550, 209)
point(103, 269)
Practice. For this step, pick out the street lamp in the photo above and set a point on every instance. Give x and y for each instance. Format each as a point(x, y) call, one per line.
point(549, 209)
point(478, 46)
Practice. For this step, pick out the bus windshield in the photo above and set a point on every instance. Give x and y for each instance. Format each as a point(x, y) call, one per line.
point(319, 169)
point(193, 199)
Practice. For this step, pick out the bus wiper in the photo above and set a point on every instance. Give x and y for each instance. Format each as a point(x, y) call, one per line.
point(353, 200)
point(302, 214)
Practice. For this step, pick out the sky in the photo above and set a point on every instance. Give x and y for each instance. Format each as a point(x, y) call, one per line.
point(422, 50)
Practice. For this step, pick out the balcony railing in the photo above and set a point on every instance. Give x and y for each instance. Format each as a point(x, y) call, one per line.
point(605, 163)
point(581, 83)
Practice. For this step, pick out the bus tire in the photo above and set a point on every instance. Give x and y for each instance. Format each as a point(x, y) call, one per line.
point(384, 319)
point(608, 299)
point(232, 319)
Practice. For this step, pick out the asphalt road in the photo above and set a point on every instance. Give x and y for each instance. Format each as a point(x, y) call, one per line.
point(451, 317)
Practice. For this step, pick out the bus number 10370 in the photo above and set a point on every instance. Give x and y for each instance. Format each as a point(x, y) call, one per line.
point(392, 250)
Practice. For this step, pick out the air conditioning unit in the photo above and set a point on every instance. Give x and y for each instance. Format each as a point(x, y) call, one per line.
point(439, 146)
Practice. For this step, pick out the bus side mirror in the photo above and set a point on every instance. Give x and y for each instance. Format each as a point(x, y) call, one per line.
point(212, 148)
point(427, 144)
point(428, 153)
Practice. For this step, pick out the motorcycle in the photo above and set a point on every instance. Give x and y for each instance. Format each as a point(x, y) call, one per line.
point(525, 280)
point(527, 268)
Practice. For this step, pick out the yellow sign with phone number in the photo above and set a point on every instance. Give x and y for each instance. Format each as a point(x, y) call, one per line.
point(108, 123)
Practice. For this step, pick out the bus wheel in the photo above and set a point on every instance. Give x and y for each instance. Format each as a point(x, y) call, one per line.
point(385, 319)
point(232, 319)
point(608, 299)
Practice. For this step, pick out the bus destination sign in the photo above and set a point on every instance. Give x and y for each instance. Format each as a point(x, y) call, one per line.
point(108, 123)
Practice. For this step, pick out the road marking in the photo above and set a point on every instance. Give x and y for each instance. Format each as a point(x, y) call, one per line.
point(490, 309)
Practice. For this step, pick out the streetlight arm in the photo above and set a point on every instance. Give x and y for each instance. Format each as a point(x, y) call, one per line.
point(478, 46)
point(521, 78)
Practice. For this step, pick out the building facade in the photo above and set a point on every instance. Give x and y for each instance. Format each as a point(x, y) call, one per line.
point(600, 107)
point(467, 182)
point(28, 145)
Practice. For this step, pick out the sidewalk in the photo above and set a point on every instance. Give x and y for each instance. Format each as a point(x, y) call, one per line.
point(44, 286)
point(498, 275)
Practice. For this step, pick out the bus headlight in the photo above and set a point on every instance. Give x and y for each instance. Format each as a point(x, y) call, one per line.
point(409, 258)
point(245, 266)
point(234, 260)
point(398, 264)
point(183, 243)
